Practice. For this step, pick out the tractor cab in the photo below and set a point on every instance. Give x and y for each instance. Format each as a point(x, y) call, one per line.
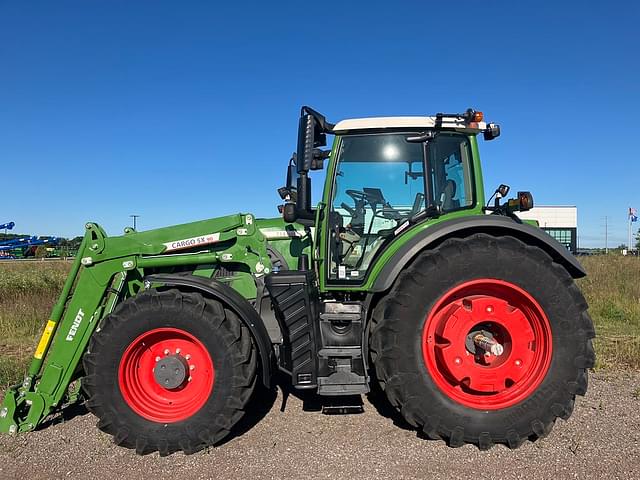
point(385, 175)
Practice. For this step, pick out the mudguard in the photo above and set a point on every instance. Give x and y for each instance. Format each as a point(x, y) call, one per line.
point(463, 227)
point(233, 300)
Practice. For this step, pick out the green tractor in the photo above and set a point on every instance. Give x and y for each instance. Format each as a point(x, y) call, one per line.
point(401, 278)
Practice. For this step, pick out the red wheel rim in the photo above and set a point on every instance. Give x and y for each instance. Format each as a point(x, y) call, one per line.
point(140, 388)
point(510, 317)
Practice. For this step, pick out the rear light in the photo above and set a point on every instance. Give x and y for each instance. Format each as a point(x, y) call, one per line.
point(526, 201)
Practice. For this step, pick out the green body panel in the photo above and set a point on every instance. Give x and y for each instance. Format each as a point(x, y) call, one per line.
point(289, 239)
point(386, 254)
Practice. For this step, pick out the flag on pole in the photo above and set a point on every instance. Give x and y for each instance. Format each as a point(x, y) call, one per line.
point(633, 214)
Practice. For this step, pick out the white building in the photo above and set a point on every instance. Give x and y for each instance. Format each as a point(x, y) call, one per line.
point(559, 221)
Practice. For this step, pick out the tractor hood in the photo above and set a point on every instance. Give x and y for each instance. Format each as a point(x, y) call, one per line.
point(288, 240)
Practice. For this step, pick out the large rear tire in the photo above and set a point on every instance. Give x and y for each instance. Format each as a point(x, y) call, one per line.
point(169, 371)
point(450, 386)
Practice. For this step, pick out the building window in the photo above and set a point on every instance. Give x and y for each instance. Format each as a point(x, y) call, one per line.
point(562, 235)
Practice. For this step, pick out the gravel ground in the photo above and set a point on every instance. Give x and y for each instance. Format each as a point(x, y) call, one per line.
point(600, 440)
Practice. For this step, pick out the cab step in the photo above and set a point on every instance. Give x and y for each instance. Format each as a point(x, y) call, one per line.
point(344, 405)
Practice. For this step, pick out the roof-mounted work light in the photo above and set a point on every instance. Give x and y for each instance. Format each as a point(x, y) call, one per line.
point(474, 116)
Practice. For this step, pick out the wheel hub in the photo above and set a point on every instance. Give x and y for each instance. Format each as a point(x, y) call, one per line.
point(487, 344)
point(171, 372)
point(481, 341)
point(166, 375)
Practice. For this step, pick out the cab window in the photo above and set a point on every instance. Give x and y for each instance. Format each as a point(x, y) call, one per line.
point(379, 183)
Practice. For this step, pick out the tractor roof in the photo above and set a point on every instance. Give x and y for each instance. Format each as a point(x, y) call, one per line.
point(377, 123)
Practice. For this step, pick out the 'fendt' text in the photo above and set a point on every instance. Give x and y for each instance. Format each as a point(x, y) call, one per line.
point(74, 327)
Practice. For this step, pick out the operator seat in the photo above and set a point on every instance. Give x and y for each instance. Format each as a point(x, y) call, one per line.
point(417, 204)
point(449, 191)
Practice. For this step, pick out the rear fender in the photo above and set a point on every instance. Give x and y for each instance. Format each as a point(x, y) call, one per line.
point(463, 227)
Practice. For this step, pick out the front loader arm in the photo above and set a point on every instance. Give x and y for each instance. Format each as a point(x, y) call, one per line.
point(84, 300)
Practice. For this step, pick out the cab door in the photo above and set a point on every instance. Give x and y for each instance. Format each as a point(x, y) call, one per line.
point(378, 183)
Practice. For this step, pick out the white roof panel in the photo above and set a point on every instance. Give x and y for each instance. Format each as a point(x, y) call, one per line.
point(403, 122)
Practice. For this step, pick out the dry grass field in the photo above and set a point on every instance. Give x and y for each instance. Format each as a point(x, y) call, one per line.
point(612, 289)
point(28, 291)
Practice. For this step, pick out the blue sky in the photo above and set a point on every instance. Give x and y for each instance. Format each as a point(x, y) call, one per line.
point(179, 111)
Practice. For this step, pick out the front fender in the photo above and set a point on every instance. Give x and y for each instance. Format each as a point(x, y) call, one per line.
point(233, 300)
point(465, 226)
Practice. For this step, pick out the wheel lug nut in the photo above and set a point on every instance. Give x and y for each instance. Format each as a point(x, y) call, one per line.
point(489, 308)
point(518, 363)
point(177, 351)
point(157, 359)
point(187, 356)
point(192, 367)
point(457, 361)
point(189, 379)
point(166, 351)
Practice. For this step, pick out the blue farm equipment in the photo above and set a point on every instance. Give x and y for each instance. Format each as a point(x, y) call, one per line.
point(23, 246)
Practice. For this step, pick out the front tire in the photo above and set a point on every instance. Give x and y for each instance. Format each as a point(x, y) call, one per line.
point(169, 371)
point(483, 288)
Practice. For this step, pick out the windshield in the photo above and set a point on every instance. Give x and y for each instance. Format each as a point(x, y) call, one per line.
point(380, 182)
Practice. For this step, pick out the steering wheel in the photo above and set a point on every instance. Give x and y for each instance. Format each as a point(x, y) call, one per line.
point(357, 195)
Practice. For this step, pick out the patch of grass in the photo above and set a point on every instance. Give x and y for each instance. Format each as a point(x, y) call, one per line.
point(28, 291)
point(12, 370)
point(612, 289)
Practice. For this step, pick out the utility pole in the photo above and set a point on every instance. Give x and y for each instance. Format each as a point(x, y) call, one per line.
point(135, 217)
point(606, 235)
point(629, 248)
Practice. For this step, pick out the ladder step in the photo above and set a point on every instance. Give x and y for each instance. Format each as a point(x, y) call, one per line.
point(349, 352)
point(344, 405)
point(351, 317)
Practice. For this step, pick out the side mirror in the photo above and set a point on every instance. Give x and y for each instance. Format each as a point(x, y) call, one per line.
point(307, 129)
point(503, 190)
point(492, 131)
point(312, 133)
point(319, 156)
point(291, 173)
